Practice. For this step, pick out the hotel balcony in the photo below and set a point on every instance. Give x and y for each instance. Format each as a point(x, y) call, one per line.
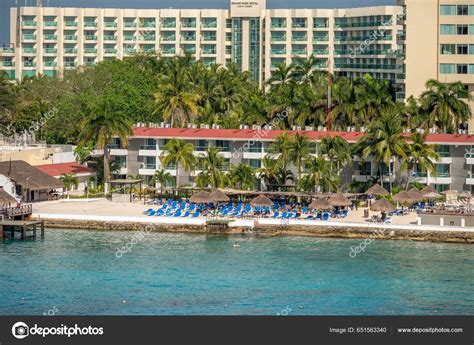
point(148, 151)
point(420, 178)
point(147, 171)
point(253, 155)
point(360, 176)
point(118, 152)
point(469, 158)
point(445, 160)
point(470, 179)
point(441, 179)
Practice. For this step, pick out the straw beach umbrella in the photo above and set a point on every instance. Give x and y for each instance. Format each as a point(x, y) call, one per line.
point(320, 204)
point(432, 195)
point(6, 199)
point(261, 201)
point(428, 189)
point(339, 200)
point(404, 197)
point(218, 196)
point(201, 197)
point(383, 205)
point(417, 195)
point(377, 190)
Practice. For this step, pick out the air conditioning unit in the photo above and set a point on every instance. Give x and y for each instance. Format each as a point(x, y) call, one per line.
point(320, 128)
point(190, 125)
point(362, 129)
point(353, 129)
point(246, 127)
point(214, 126)
point(202, 126)
point(162, 124)
point(266, 127)
point(324, 129)
point(254, 127)
point(349, 129)
point(297, 128)
point(194, 125)
point(167, 125)
point(308, 128)
point(241, 126)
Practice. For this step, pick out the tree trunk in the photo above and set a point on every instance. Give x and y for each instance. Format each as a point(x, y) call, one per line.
point(177, 177)
point(390, 174)
point(106, 170)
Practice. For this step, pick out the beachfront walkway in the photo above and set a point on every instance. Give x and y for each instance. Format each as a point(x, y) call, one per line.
point(106, 208)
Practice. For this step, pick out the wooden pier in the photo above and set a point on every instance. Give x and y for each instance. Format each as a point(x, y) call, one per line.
point(26, 228)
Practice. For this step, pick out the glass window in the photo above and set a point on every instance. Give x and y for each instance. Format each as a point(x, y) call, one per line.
point(447, 68)
point(255, 146)
point(278, 23)
point(461, 69)
point(442, 170)
point(150, 162)
point(471, 49)
point(320, 22)
point(471, 69)
point(202, 145)
point(448, 10)
point(441, 187)
point(462, 49)
point(299, 22)
point(448, 29)
point(448, 49)
point(463, 10)
point(442, 150)
point(462, 29)
point(255, 163)
point(223, 145)
point(471, 10)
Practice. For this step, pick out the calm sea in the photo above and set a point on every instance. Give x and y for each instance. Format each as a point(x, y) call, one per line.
point(76, 272)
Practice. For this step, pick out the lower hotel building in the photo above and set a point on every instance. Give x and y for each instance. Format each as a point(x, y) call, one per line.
point(454, 170)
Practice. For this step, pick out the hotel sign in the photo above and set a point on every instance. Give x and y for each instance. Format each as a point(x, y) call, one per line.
point(246, 8)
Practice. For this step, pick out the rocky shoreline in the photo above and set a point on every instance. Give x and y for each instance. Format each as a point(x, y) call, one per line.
point(350, 232)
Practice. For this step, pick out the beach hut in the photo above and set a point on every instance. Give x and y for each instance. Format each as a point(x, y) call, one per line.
point(432, 196)
point(339, 200)
point(377, 190)
point(417, 195)
point(218, 196)
point(428, 189)
point(261, 201)
point(320, 204)
point(201, 197)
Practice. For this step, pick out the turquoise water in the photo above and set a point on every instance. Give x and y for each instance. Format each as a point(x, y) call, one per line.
point(79, 273)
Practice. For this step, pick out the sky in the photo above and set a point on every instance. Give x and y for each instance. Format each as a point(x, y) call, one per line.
point(5, 6)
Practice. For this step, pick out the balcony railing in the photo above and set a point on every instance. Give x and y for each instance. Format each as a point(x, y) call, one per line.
point(28, 23)
point(278, 51)
point(110, 24)
point(29, 50)
point(29, 37)
point(110, 51)
point(90, 51)
point(321, 52)
point(367, 66)
point(7, 64)
point(50, 24)
point(50, 37)
point(50, 50)
point(50, 64)
point(70, 38)
point(148, 147)
point(71, 23)
point(90, 24)
point(70, 50)
point(130, 38)
point(70, 64)
point(148, 25)
point(130, 25)
point(91, 38)
point(320, 38)
point(110, 38)
point(168, 38)
point(29, 64)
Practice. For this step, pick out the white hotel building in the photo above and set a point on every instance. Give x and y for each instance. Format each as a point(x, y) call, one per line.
point(49, 40)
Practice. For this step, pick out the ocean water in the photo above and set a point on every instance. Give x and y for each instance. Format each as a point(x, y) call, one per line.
point(76, 272)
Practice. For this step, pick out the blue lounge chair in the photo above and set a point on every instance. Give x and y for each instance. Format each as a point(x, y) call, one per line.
point(186, 214)
point(276, 214)
point(196, 214)
point(325, 216)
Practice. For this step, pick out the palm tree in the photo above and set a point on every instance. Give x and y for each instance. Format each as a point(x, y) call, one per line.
point(299, 151)
point(344, 112)
point(444, 106)
point(280, 148)
point(372, 97)
point(242, 176)
point(70, 182)
point(420, 155)
point(175, 97)
point(212, 174)
point(100, 127)
point(385, 141)
point(337, 149)
point(179, 153)
point(320, 175)
point(162, 177)
point(281, 77)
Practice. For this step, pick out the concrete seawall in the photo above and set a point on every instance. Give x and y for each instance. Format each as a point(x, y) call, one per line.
point(349, 230)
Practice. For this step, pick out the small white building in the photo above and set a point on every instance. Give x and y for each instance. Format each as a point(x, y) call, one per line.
point(83, 173)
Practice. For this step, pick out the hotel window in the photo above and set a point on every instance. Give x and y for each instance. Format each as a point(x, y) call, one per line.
point(448, 10)
point(255, 163)
point(228, 23)
point(278, 36)
point(448, 49)
point(223, 145)
point(209, 22)
point(443, 170)
point(121, 161)
point(228, 50)
point(202, 145)
point(169, 22)
point(150, 144)
point(471, 10)
point(299, 23)
point(207, 61)
point(448, 29)
point(447, 68)
point(471, 49)
point(278, 23)
point(255, 147)
point(462, 69)
point(228, 36)
point(471, 69)
point(463, 10)
point(150, 162)
point(189, 48)
point(462, 29)
point(442, 150)
point(209, 49)
point(209, 35)
point(320, 22)
point(462, 49)
point(188, 35)
point(188, 22)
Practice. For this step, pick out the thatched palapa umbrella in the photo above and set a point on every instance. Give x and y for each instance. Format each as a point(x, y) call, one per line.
point(201, 197)
point(6, 198)
point(383, 205)
point(404, 197)
point(377, 190)
point(261, 201)
point(432, 195)
point(339, 200)
point(218, 196)
point(417, 195)
point(320, 204)
point(428, 189)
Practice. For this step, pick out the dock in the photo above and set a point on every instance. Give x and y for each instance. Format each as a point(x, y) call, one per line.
point(25, 228)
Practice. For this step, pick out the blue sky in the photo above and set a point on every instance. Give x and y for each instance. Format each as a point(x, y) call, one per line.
point(6, 4)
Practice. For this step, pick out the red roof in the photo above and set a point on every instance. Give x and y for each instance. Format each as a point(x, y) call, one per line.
point(64, 168)
point(264, 135)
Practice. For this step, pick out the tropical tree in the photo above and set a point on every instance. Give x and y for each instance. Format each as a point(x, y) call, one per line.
point(444, 105)
point(100, 126)
point(299, 151)
point(420, 156)
point(70, 182)
point(320, 175)
point(280, 150)
point(179, 153)
point(175, 98)
point(272, 174)
point(242, 176)
point(212, 173)
point(162, 177)
point(385, 141)
point(337, 149)
point(372, 97)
